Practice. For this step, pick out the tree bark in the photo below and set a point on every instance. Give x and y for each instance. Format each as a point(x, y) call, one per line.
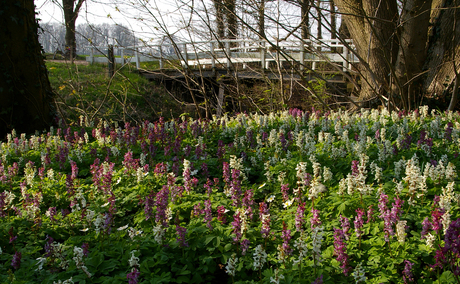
point(232, 27)
point(261, 19)
point(319, 27)
point(25, 91)
point(305, 6)
point(405, 53)
point(218, 5)
point(413, 34)
point(371, 24)
point(333, 20)
point(443, 47)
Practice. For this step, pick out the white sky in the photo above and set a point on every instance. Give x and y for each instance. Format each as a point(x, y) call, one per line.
point(91, 12)
point(151, 18)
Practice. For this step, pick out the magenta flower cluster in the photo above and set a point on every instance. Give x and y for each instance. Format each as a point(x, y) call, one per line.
point(208, 213)
point(340, 249)
point(449, 254)
point(133, 276)
point(162, 205)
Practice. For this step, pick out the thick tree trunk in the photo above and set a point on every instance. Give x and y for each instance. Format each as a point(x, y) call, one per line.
point(371, 24)
point(405, 52)
point(25, 91)
point(414, 19)
point(443, 48)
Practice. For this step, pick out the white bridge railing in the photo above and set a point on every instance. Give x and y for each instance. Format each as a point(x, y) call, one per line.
point(225, 53)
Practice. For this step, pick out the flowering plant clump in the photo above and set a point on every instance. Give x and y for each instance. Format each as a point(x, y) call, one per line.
point(288, 197)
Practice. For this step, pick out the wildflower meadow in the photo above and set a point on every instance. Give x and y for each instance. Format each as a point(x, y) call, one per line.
point(288, 197)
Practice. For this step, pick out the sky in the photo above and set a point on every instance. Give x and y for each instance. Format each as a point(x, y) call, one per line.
point(147, 21)
point(91, 12)
point(150, 19)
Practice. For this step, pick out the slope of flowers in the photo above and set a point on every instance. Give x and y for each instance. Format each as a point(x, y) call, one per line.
point(292, 197)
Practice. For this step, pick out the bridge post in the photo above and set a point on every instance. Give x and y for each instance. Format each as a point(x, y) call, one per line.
point(185, 55)
point(302, 55)
point(229, 54)
point(213, 55)
point(345, 59)
point(262, 54)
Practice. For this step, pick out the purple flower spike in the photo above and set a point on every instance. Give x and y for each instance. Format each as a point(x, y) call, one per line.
point(407, 274)
point(208, 213)
point(244, 246)
point(299, 217)
point(181, 231)
point(133, 276)
point(315, 221)
point(340, 249)
point(318, 280)
point(16, 261)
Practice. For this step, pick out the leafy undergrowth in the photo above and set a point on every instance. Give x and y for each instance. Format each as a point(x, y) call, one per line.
point(88, 90)
point(291, 197)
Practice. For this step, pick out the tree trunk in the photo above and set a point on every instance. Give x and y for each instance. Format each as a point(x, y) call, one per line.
point(415, 18)
point(319, 28)
point(261, 19)
point(305, 6)
point(232, 27)
point(333, 20)
point(371, 25)
point(443, 48)
point(25, 91)
point(71, 11)
point(405, 52)
point(218, 5)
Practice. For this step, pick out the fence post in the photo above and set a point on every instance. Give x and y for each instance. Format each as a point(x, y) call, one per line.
point(136, 58)
point(91, 56)
point(111, 58)
point(122, 53)
point(161, 57)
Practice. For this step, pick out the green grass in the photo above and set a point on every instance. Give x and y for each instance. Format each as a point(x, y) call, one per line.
point(88, 90)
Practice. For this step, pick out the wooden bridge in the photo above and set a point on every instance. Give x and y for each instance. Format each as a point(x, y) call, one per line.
point(213, 66)
point(260, 59)
point(245, 55)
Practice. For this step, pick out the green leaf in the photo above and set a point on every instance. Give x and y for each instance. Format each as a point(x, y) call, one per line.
point(95, 261)
point(447, 277)
point(208, 239)
point(108, 266)
point(228, 247)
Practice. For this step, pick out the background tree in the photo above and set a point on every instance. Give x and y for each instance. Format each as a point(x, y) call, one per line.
point(71, 8)
point(25, 91)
